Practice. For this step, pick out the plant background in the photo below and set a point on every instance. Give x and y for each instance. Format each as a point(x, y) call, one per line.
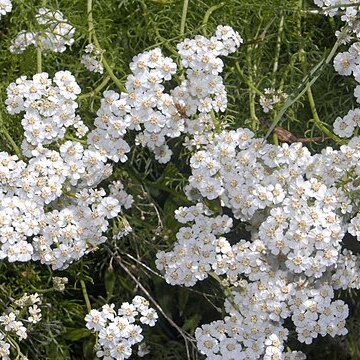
point(284, 40)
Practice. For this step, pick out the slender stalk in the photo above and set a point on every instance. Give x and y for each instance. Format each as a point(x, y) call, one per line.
point(302, 57)
point(143, 265)
point(207, 15)
point(166, 43)
point(85, 294)
point(277, 49)
point(185, 336)
point(183, 17)
point(275, 139)
point(317, 120)
point(16, 346)
point(90, 19)
point(307, 81)
point(69, 137)
point(252, 94)
point(247, 81)
point(92, 35)
point(95, 91)
point(39, 58)
point(11, 141)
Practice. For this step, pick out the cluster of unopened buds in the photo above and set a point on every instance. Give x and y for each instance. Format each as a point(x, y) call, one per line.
point(118, 331)
point(271, 98)
point(55, 33)
point(92, 59)
point(22, 314)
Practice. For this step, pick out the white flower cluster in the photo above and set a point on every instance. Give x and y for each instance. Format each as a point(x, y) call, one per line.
point(40, 220)
point(148, 108)
point(349, 14)
point(298, 214)
point(347, 63)
point(59, 283)
point(92, 61)
point(197, 248)
point(118, 331)
point(55, 34)
point(10, 325)
point(271, 98)
point(50, 208)
point(5, 7)
point(49, 106)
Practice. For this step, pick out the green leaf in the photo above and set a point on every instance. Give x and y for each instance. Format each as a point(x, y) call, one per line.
point(192, 323)
point(183, 299)
point(109, 279)
point(88, 349)
point(77, 334)
point(52, 352)
point(169, 210)
point(163, 2)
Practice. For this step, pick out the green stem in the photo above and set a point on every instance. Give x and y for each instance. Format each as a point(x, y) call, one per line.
point(302, 57)
point(15, 345)
point(39, 58)
point(183, 18)
point(227, 291)
point(166, 43)
point(92, 35)
point(307, 81)
point(275, 139)
point(207, 16)
point(10, 140)
point(85, 294)
point(96, 90)
point(247, 81)
point(317, 120)
point(108, 68)
point(90, 19)
point(42, 291)
point(69, 137)
point(253, 117)
point(277, 49)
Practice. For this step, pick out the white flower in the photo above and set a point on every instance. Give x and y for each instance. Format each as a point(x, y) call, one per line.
point(95, 320)
point(344, 127)
point(344, 63)
point(5, 7)
point(149, 317)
